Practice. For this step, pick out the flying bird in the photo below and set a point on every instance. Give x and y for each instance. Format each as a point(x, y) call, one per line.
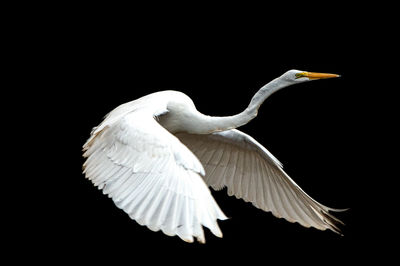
point(156, 157)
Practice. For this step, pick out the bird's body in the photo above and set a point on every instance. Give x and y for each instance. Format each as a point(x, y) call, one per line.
point(155, 156)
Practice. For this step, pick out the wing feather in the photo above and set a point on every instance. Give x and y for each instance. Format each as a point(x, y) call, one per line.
point(270, 205)
point(287, 210)
point(247, 175)
point(249, 171)
point(238, 178)
point(232, 166)
point(296, 207)
point(252, 190)
point(260, 199)
point(151, 175)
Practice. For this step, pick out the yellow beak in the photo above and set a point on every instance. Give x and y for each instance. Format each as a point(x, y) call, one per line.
point(313, 75)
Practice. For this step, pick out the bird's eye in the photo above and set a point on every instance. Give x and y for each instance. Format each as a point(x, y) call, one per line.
point(300, 75)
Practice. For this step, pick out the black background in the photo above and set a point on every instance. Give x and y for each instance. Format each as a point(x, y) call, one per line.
point(85, 61)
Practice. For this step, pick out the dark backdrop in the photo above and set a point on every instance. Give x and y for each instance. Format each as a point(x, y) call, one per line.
point(91, 61)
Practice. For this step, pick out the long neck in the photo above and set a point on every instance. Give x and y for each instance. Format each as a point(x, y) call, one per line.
point(210, 124)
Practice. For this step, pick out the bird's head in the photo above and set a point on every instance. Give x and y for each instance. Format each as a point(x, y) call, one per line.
point(295, 76)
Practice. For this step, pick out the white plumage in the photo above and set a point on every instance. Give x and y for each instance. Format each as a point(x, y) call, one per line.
point(148, 156)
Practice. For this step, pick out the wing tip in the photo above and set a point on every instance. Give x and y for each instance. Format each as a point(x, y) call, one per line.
point(338, 210)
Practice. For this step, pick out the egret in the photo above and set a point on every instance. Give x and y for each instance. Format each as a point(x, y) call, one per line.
point(156, 156)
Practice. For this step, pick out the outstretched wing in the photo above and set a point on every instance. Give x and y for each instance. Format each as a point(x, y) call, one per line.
point(234, 159)
point(151, 175)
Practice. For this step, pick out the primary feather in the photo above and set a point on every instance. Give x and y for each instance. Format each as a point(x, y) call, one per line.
point(235, 160)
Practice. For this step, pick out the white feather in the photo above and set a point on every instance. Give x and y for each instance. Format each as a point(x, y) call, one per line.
point(151, 175)
point(254, 175)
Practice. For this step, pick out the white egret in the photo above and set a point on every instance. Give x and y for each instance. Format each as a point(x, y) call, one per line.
point(157, 155)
